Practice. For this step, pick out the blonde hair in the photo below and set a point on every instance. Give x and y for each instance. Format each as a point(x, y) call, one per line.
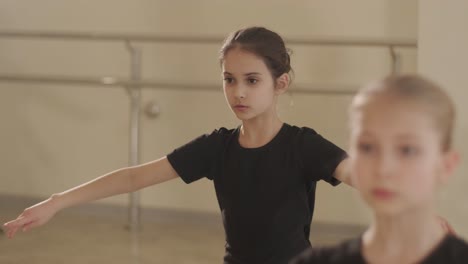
point(413, 89)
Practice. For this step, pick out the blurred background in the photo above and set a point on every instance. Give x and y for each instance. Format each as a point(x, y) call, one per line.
point(68, 129)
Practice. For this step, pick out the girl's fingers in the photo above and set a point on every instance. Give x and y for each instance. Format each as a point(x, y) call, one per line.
point(20, 223)
point(21, 220)
point(446, 226)
point(11, 233)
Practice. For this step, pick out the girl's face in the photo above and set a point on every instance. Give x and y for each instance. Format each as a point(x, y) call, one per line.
point(248, 85)
point(396, 158)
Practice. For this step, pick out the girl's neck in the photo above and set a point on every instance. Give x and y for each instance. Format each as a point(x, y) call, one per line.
point(257, 133)
point(405, 238)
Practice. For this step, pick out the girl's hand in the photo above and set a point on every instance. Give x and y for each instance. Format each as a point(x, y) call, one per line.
point(31, 217)
point(446, 226)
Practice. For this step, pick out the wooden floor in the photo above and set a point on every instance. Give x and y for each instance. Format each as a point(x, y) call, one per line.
point(98, 234)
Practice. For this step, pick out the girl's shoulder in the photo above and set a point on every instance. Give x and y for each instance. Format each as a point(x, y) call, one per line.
point(301, 130)
point(224, 131)
point(453, 250)
point(220, 136)
point(303, 134)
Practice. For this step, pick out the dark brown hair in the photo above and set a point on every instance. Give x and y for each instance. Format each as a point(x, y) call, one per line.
point(264, 43)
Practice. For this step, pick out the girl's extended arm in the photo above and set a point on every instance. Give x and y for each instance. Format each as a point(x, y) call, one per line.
point(117, 182)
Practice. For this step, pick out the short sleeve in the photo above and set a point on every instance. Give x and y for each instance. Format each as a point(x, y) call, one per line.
point(197, 158)
point(320, 157)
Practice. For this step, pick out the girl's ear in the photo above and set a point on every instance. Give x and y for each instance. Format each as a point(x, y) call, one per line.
point(450, 162)
point(282, 83)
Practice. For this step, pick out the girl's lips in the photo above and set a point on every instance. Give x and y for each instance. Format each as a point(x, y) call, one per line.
point(383, 194)
point(240, 107)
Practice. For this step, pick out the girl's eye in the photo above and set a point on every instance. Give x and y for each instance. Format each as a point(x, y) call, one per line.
point(228, 79)
point(252, 81)
point(365, 148)
point(408, 150)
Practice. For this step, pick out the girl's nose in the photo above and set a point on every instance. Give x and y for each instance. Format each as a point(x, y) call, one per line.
point(385, 166)
point(240, 92)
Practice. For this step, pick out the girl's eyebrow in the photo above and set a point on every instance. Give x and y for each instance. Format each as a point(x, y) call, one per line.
point(246, 74)
point(366, 133)
point(252, 73)
point(407, 136)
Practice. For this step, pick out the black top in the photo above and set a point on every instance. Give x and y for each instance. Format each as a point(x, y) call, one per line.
point(266, 194)
point(451, 250)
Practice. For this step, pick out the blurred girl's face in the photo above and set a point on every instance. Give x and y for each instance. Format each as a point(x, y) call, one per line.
point(396, 158)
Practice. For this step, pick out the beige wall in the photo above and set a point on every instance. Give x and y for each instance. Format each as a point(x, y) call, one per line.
point(443, 56)
point(54, 137)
